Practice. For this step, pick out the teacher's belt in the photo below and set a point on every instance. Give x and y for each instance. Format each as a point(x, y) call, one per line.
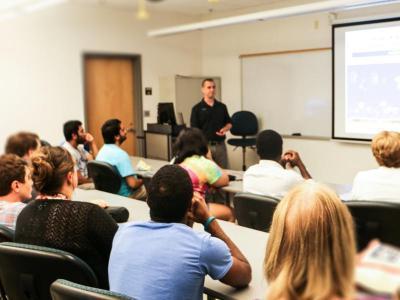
point(214, 143)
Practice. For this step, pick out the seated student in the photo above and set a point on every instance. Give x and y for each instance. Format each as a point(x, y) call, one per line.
point(192, 154)
point(52, 220)
point(75, 138)
point(114, 134)
point(165, 258)
point(23, 144)
point(15, 186)
point(273, 175)
point(311, 246)
point(382, 183)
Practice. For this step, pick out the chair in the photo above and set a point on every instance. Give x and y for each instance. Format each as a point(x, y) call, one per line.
point(376, 219)
point(254, 211)
point(66, 290)
point(6, 234)
point(244, 123)
point(105, 177)
point(27, 271)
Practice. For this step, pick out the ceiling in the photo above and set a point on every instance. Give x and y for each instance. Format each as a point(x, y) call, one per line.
point(192, 7)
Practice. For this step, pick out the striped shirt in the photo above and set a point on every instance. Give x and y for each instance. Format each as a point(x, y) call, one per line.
point(9, 212)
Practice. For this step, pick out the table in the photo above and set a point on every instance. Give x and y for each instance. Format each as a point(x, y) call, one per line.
point(251, 242)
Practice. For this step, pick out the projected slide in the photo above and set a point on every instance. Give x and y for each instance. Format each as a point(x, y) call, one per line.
point(372, 80)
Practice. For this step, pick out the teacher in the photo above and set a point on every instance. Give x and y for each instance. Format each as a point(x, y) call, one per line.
point(212, 118)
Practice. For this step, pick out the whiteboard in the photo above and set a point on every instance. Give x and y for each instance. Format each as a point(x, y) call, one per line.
point(290, 92)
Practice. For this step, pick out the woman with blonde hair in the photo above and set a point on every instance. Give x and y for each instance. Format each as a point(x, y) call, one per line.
point(381, 184)
point(311, 247)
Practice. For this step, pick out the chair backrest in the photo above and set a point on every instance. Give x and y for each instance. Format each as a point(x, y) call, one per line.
point(67, 290)
point(376, 219)
point(254, 211)
point(244, 123)
point(105, 177)
point(6, 234)
point(27, 271)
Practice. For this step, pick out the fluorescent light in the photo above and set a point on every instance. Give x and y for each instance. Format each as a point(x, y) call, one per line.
point(42, 5)
point(322, 6)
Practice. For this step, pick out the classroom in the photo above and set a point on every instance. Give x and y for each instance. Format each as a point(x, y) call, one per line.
point(252, 146)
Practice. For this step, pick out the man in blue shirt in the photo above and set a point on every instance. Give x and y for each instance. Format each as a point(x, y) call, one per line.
point(114, 134)
point(165, 258)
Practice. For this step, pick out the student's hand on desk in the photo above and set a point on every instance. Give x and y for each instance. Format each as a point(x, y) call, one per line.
point(199, 209)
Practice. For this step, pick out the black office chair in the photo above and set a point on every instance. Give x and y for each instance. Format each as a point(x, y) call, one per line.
point(6, 234)
point(27, 271)
point(105, 177)
point(244, 124)
point(254, 211)
point(376, 219)
point(67, 290)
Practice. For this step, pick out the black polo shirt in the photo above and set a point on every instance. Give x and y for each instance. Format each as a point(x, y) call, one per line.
point(210, 119)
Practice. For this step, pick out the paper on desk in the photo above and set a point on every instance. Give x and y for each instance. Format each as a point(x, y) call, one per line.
point(142, 166)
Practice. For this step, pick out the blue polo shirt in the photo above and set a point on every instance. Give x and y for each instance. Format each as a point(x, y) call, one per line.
point(115, 156)
point(168, 261)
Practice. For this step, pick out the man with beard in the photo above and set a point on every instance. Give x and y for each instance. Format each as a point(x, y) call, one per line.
point(114, 134)
point(75, 140)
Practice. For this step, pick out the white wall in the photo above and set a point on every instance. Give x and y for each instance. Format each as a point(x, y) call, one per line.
point(328, 161)
point(41, 83)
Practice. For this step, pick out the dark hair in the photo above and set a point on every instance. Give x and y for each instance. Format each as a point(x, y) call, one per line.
point(12, 168)
point(110, 130)
point(170, 194)
point(191, 141)
point(50, 167)
point(21, 142)
point(70, 128)
point(207, 80)
point(269, 144)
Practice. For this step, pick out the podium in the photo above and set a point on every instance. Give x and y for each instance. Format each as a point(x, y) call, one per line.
point(159, 139)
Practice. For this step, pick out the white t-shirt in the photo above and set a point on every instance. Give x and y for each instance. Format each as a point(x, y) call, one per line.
point(378, 184)
point(269, 178)
point(80, 156)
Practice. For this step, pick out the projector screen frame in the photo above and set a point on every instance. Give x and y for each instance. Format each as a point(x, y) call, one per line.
point(338, 25)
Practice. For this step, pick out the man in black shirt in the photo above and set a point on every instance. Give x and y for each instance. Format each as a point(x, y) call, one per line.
point(212, 117)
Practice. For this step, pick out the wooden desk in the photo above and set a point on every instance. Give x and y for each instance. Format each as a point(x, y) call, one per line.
point(251, 242)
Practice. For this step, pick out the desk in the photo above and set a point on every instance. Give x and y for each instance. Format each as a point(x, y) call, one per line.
point(251, 242)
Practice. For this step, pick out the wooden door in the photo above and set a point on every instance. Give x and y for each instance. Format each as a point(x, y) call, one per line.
point(109, 93)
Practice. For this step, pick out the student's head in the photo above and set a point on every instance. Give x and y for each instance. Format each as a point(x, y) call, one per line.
point(269, 145)
point(23, 144)
point(73, 131)
point(170, 194)
point(113, 132)
point(53, 171)
point(208, 88)
point(386, 149)
point(191, 141)
point(15, 178)
point(311, 247)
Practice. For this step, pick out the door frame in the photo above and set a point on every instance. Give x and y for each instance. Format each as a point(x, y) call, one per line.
point(136, 60)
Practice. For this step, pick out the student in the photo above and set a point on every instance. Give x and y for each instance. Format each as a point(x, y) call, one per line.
point(114, 134)
point(192, 154)
point(52, 220)
point(311, 247)
point(274, 174)
point(75, 139)
point(165, 258)
point(15, 187)
point(382, 183)
point(23, 144)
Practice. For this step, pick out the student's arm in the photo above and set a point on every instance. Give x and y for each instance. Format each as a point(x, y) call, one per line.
point(82, 179)
point(133, 182)
point(294, 158)
point(239, 275)
point(216, 177)
point(223, 180)
point(92, 146)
